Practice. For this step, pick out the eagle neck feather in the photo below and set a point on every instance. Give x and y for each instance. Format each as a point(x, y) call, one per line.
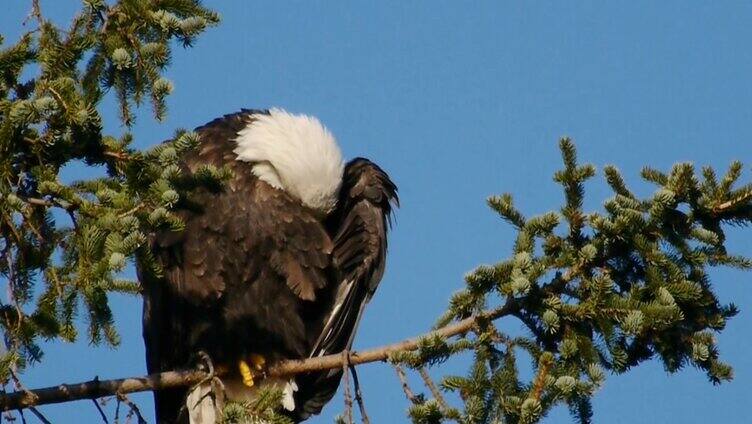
point(294, 153)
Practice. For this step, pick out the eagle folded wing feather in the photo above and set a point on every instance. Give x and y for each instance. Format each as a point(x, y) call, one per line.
point(359, 252)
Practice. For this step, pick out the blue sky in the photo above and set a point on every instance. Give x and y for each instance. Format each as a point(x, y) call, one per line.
point(458, 101)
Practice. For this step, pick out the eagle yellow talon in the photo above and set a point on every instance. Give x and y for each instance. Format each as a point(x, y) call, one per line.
point(249, 371)
point(246, 373)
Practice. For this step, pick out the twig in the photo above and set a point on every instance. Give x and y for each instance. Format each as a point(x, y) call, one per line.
point(117, 410)
point(132, 210)
point(732, 203)
point(116, 155)
point(347, 396)
point(11, 274)
point(134, 409)
point(411, 396)
point(101, 412)
point(540, 379)
point(58, 97)
point(69, 208)
point(36, 13)
point(60, 203)
point(38, 202)
point(9, 223)
point(37, 234)
point(359, 396)
point(39, 415)
point(19, 385)
point(434, 389)
point(171, 379)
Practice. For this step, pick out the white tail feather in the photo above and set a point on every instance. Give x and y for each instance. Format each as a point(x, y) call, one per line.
point(200, 404)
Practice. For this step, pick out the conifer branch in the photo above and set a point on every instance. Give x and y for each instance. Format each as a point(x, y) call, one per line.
point(723, 207)
point(98, 388)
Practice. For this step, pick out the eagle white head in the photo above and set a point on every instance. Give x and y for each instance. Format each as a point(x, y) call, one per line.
point(295, 153)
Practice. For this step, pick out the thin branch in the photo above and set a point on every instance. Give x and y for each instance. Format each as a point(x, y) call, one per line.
point(409, 394)
point(39, 415)
point(116, 155)
point(171, 379)
point(36, 13)
point(723, 207)
point(134, 409)
point(434, 389)
point(540, 378)
point(117, 411)
point(9, 222)
point(19, 313)
point(132, 210)
point(359, 396)
point(59, 203)
point(101, 412)
point(37, 202)
point(58, 98)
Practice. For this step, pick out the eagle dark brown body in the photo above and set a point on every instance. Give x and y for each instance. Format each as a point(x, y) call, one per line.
point(257, 272)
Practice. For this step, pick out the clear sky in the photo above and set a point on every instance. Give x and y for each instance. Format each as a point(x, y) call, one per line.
point(458, 101)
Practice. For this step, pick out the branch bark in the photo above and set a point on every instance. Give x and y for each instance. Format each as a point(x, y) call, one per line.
point(723, 207)
point(170, 379)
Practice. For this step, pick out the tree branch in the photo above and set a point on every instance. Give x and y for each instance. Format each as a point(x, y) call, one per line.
point(359, 397)
point(170, 379)
point(723, 207)
point(101, 412)
point(434, 389)
point(411, 396)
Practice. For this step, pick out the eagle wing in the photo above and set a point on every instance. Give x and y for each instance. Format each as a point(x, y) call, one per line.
point(243, 276)
point(359, 226)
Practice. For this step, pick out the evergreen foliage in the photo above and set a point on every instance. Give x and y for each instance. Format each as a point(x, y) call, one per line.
point(265, 409)
point(59, 266)
point(599, 292)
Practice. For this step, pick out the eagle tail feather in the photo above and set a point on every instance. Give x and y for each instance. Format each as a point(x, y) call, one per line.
point(200, 404)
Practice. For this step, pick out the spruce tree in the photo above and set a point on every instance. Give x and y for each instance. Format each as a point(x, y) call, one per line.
point(52, 119)
point(598, 292)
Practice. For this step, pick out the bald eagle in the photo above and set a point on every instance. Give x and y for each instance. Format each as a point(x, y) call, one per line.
point(279, 264)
